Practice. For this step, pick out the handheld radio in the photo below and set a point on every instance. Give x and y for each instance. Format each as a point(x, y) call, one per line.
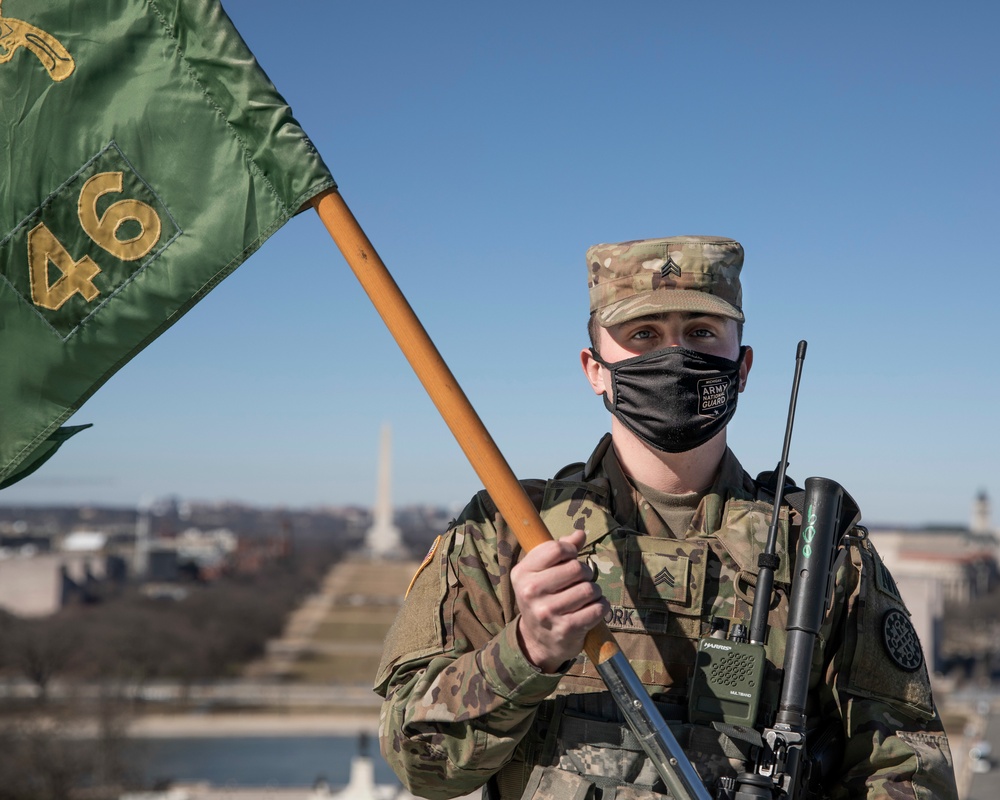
point(728, 676)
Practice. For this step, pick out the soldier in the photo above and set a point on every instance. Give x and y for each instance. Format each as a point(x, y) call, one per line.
point(658, 533)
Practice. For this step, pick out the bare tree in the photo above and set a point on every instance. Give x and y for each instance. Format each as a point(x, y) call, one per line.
point(41, 649)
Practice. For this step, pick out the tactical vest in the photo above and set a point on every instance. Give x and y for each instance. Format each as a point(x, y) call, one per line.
point(664, 595)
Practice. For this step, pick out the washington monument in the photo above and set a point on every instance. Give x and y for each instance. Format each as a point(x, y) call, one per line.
point(383, 539)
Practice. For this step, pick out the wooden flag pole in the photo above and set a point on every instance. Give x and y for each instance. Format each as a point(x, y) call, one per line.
point(498, 479)
point(433, 372)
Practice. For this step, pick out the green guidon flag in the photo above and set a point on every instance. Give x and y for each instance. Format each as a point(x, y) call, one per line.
point(145, 156)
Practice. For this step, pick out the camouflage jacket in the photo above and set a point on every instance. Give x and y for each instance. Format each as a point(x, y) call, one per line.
point(463, 704)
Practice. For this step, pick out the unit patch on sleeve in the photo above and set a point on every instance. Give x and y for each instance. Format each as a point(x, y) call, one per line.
point(884, 580)
point(423, 564)
point(901, 641)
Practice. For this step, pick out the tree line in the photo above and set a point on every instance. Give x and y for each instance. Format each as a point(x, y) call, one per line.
point(113, 647)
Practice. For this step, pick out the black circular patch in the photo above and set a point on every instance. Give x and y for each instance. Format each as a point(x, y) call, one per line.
point(900, 640)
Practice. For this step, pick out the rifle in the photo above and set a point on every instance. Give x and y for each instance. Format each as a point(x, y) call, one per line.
point(780, 766)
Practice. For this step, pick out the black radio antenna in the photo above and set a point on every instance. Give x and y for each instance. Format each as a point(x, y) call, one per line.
point(769, 560)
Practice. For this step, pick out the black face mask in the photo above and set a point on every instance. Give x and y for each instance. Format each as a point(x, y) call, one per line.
point(674, 399)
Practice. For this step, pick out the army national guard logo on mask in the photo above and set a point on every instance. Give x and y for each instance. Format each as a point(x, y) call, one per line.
point(713, 396)
point(900, 640)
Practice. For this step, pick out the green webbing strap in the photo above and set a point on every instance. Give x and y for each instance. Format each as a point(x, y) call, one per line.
point(736, 741)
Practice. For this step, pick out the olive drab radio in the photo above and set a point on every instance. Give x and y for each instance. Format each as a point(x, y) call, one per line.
point(728, 680)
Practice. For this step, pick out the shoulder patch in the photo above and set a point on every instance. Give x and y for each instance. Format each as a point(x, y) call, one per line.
point(901, 641)
point(888, 663)
point(884, 580)
point(423, 564)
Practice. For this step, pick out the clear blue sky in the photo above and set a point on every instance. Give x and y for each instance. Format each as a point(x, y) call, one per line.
point(851, 148)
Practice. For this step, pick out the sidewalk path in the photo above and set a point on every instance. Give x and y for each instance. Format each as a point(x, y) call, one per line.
point(256, 724)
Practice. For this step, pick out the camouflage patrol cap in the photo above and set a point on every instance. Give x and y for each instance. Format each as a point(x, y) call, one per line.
point(678, 273)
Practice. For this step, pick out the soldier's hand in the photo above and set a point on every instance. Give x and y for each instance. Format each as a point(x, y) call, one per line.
point(558, 601)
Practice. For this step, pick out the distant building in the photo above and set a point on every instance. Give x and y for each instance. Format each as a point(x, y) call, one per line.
point(25, 544)
point(962, 563)
point(39, 585)
point(206, 549)
point(938, 565)
point(87, 566)
point(162, 565)
point(84, 542)
point(981, 514)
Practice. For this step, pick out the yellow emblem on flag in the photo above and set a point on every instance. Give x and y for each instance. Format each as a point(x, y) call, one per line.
point(15, 33)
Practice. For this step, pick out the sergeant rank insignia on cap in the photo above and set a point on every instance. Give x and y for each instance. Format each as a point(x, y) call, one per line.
point(670, 268)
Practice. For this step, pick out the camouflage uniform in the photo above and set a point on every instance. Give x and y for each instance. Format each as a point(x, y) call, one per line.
point(463, 706)
point(463, 703)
